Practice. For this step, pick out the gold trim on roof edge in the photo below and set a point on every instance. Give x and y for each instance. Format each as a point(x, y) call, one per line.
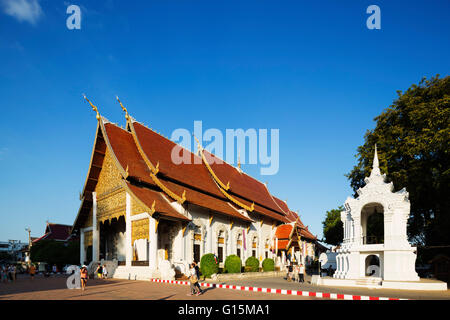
point(216, 178)
point(154, 169)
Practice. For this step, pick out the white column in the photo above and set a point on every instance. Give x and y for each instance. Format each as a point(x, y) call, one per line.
point(128, 244)
point(82, 249)
point(178, 248)
point(183, 243)
point(95, 231)
point(208, 239)
point(259, 246)
point(153, 250)
point(230, 242)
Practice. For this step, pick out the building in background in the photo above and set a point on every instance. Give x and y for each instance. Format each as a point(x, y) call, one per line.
point(12, 250)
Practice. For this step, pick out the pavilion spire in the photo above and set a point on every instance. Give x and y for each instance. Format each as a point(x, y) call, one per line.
point(93, 107)
point(375, 164)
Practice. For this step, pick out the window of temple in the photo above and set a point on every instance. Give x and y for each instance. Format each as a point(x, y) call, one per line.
point(254, 246)
point(220, 246)
point(239, 246)
point(197, 245)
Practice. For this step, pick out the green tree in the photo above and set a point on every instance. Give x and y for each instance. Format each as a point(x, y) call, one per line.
point(333, 231)
point(412, 137)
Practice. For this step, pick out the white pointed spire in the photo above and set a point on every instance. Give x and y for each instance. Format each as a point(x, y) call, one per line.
point(375, 158)
point(375, 164)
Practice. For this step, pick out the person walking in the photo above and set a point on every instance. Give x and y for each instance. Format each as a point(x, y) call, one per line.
point(32, 271)
point(105, 272)
point(290, 271)
point(192, 280)
point(99, 271)
point(296, 273)
point(4, 274)
point(13, 273)
point(197, 273)
point(302, 273)
point(84, 277)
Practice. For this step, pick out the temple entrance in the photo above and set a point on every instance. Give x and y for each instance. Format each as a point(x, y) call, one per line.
point(372, 223)
point(372, 266)
point(166, 235)
point(196, 252)
point(112, 239)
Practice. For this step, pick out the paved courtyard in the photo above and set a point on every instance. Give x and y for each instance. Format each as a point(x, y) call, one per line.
point(54, 288)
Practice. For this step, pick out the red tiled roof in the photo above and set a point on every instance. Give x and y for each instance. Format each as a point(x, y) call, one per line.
point(284, 231)
point(53, 231)
point(126, 152)
point(200, 186)
point(242, 184)
point(147, 196)
point(159, 149)
point(282, 244)
point(207, 201)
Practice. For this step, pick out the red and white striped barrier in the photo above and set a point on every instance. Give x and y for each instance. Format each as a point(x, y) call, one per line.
point(281, 291)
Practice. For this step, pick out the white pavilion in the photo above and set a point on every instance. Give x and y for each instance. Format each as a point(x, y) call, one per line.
point(375, 251)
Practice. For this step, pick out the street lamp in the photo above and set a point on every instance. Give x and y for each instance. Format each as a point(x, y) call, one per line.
point(29, 242)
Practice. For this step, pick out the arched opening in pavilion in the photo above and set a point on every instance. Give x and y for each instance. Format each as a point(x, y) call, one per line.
point(372, 266)
point(372, 223)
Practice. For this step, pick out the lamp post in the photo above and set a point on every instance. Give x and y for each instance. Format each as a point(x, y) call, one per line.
point(29, 242)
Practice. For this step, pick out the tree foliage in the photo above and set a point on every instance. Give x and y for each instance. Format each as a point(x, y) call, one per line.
point(333, 231)
point(208, 265)
point(252, 264)
point(268, 264)
point(412, 137)
point(233, 264)
point(56, 252)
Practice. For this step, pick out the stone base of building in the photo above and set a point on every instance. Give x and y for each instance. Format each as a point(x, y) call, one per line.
point(378, 283)
point(423, 284)
point(133, 273)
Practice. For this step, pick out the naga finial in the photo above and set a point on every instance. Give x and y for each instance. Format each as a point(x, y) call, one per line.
point(199, 146)
point(93, 107)
point(127, 116)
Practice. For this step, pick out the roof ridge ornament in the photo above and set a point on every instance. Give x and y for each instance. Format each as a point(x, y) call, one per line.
point(93, 107)
point(127, 116)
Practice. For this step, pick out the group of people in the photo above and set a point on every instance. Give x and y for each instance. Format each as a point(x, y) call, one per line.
point(102, 272)
point(194, 277)
point(295, 272)
point(8, 273)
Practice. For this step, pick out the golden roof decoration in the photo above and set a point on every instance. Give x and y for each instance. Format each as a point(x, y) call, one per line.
point(93, 107)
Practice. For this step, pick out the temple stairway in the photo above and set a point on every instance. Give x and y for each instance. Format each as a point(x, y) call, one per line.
point(369, 282)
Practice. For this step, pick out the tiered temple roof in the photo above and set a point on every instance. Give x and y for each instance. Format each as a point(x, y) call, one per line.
point(54, 231)
point(143, 158)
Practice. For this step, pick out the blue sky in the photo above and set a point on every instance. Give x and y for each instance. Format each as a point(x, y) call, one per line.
point(311, 69)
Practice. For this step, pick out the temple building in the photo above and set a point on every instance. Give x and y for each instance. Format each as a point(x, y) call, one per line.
point(147, 217)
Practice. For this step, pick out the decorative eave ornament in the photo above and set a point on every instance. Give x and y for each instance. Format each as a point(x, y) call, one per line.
point(127, 116)
point(93, 107)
